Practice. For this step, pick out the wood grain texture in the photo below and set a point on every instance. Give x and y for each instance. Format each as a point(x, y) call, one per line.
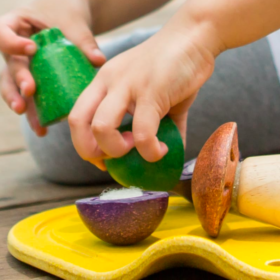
point(10, 268)
point(21, 183)
point(159, 17)
point(259, 189)
point(11, 138)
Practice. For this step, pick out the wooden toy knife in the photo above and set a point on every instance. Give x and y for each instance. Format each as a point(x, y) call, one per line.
point(217, 181)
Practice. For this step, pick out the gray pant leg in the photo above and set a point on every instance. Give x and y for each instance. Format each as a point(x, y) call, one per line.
point(245, 89)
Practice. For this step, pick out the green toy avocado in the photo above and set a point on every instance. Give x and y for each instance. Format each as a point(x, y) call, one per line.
point(163, 175)
point(61, 73)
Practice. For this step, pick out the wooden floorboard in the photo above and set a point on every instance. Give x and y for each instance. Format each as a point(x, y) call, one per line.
point(21, 183)
point(11, 138)
point(160, 17)
point(10, 268)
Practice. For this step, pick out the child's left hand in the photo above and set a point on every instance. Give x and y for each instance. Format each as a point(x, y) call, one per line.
point(159, 77)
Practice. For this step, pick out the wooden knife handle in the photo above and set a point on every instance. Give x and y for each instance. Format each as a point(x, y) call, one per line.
point(258, 194)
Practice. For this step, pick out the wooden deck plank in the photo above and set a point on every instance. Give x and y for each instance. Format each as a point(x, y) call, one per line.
point(11, 138)
point(159, 17)
point(21, 183)
point(12, 269)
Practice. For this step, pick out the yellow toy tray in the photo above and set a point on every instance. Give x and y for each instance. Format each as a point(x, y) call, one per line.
point(57, 241)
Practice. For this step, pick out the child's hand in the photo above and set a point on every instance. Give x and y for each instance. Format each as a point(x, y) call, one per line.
point(17, 84)
point(159, 77)
point(162, 76)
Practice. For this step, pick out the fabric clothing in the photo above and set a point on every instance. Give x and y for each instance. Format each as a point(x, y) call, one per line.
point(244, 88)
point(274, 42)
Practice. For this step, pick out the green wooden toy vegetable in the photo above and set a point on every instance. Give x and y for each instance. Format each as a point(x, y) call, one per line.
point(61, 72)
point(163, 175)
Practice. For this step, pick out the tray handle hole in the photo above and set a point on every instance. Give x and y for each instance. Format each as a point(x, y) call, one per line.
point(273, 263)
point(232, 156)
point(227, 188)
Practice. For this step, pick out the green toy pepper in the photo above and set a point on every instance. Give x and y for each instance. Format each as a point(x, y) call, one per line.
point(61, 72)
point(163, 175)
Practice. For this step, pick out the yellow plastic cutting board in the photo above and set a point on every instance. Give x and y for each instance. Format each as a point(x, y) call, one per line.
point(57, 241)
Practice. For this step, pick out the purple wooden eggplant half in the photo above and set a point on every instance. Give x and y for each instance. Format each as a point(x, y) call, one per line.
point(123, 221)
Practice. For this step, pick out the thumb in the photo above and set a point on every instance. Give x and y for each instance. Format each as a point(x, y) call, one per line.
point(11, 43)
point(81, 35)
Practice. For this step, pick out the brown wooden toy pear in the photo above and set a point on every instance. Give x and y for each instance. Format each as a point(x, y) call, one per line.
point(220, 182)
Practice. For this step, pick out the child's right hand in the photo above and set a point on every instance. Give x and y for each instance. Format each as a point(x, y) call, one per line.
point(73, 17)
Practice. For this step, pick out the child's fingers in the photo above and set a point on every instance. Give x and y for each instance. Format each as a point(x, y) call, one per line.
point(19, 69)
point(179, 114)
point(10, 93)
point(13, 44)
point(145, 126)
point(99, 164)
point(107, 119)
point(80, 120)
point(32, 118)
point(80, 34)
point(18, 103)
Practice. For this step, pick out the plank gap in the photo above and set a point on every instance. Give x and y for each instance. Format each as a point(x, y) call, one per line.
point(38, 203)
point(13, 151)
